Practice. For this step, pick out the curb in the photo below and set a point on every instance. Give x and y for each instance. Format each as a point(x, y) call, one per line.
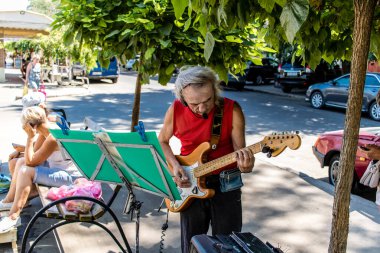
point(326, 187)
point(256, 89)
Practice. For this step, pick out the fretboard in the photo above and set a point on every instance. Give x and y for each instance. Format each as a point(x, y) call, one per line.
point(220, 162)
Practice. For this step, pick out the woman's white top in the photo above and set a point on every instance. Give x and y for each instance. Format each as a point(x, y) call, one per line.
point(57, 160)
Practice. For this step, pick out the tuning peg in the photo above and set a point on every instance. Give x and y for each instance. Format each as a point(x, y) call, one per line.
point(265, 149)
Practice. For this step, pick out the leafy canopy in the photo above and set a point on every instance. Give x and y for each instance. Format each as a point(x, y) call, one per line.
point(222, 34)
point(168, 34)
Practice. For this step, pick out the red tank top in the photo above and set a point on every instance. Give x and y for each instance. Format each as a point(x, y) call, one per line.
point(192, 130)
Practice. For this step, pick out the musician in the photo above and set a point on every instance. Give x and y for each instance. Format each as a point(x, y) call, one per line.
point(190, 119)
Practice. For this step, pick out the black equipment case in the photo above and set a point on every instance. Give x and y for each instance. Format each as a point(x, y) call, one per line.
point(234, 243)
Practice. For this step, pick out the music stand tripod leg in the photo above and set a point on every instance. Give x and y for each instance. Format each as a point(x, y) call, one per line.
point(131, 206)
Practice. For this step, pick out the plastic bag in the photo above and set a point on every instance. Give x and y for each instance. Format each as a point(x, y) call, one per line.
point(25, 90)
point(371, 176)
point(42, 89)
point(81, 187)
point(80, 206)
point(56, 193)
point(5, 183)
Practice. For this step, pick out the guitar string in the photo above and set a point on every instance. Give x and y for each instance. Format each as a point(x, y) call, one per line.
point(256, 148)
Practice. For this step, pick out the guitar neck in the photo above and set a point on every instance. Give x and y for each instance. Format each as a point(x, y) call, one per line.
point(223, 161)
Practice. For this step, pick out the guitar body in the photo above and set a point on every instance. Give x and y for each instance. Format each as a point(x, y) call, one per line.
point(198, 185)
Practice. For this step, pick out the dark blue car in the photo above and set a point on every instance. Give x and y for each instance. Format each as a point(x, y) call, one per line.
point(335, 93)
point(112, 72)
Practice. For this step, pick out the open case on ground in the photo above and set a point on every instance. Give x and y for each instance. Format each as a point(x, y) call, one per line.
point(234, 243)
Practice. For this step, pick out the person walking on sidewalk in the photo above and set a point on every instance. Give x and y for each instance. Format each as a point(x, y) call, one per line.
point(33, 73)
point(190, 119)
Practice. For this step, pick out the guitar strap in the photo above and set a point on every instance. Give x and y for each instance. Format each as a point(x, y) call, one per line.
point(216, 128)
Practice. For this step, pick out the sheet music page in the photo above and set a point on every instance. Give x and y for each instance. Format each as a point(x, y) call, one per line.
point(111, 148)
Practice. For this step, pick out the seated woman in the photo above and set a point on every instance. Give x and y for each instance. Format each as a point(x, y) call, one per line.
point(60, 171)
point(31, 99)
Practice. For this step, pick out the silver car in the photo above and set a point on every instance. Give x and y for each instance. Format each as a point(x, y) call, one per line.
point(335, 93)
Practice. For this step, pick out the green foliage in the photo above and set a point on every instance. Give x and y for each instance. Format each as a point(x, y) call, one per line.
point(27, 46)
point(293, 16)
point(170, 33)
point(179, 7)
point(320, 29)
point(222, 34)
point(10, 46)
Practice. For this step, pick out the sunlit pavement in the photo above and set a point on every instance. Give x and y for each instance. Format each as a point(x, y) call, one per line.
point(279, 206)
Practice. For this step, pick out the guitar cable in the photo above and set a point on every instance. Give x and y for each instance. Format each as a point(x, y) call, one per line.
point(163, 229)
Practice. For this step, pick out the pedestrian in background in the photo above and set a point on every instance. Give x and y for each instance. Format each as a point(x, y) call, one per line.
point(33, 73)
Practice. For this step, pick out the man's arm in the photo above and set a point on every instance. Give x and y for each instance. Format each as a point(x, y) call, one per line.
point(166, 133)
point(372, 152)
point(244, 156)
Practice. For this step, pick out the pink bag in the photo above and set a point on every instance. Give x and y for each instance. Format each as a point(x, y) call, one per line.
point(42, 89)
point(81, 187)
point(56, 193)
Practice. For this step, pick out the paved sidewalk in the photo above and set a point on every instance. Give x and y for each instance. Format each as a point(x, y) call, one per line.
point(272, 89)
point(15, 82)
point(280, 206)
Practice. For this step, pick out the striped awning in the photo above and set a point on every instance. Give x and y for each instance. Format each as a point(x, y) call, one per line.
point(23, 24)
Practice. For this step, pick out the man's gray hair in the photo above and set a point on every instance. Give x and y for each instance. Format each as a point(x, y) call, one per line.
point(196, 75)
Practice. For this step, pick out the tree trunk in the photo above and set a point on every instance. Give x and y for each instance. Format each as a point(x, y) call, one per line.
point(136, 103)
point(364, 10)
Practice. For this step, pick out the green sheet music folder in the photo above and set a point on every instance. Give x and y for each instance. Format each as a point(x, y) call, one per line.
point(120, 157)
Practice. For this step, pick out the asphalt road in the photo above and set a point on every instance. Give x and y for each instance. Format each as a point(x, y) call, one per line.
point(265, 114)
point(111, 106)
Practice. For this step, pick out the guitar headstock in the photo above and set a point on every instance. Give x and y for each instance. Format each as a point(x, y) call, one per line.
point(277, 142)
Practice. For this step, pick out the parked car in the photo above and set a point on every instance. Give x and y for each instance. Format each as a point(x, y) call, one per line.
point(98, 72)
point(327, 149)
point(335, 93)
point(234, 81)
point(260, 74)
point(296, 75)
point(112, 72)
point(77, 70)
point(129, 65)
point(254, 74)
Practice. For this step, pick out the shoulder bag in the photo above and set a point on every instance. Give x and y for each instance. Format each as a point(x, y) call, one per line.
point(371, 175)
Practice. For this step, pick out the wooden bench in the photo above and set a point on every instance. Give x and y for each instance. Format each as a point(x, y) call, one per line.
point(10, 237)
point(57, 210)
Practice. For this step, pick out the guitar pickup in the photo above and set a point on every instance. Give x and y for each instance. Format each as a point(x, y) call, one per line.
point(194, 190)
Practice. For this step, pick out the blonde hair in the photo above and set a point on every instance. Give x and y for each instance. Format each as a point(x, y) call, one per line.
point(37, 57)
point(33, 115)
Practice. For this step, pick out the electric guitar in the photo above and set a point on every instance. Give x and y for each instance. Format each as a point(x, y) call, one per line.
point(196, 170)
